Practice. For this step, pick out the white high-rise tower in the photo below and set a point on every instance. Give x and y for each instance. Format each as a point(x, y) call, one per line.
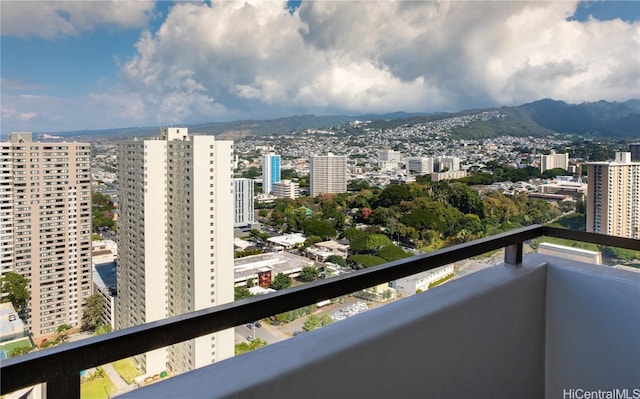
point(175, 240)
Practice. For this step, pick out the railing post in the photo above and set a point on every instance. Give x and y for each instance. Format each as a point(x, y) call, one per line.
point(513, 254)
point(65, 386)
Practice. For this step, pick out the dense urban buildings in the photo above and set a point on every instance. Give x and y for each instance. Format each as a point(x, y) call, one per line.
point(175, 240)
point(328, 174)
point(613, 197)
point(243, 203)
point(270, 171)
point(45, 234)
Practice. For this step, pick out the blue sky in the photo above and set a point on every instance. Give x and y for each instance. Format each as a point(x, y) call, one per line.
point(94, 65)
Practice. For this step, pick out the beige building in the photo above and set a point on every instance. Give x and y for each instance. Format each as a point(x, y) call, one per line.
point(45, 229)
point(286, 189)
point(175, 240)
point(613, 197)
point(328, 174)
point(553, 161)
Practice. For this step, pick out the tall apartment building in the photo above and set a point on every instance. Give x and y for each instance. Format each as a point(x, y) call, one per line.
point(554, 161)
point(613, 197)
point(634, 149)
point(390, 155)
point(419, 165)
point(175, 240)
point(286, 189)
point(328, 174)
point(45, 229)
point(270, 171)
point(243, 204)
point(446, 164)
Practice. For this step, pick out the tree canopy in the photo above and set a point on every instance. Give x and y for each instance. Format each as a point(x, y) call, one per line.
point(92, 311)
point(16, 288)
point(281, 281)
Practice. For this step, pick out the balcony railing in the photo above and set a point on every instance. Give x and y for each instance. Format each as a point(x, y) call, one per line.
point(60, 366)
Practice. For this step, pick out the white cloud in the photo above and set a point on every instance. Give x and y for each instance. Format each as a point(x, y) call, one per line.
point(247, 58)
point(55, 19)
point(25, 116)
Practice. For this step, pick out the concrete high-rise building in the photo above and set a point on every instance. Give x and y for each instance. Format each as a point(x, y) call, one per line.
point(390, 155)
point(446, 164)
point(45, 229)
point(613, 197)
point(634, 149)
point(270, 171)
point(175, 240)
point(419, 165)
point(554, 161)
point(286, 189)
point(328, 174)
point(243, 204)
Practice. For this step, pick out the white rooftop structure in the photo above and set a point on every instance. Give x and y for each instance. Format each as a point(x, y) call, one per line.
point(288, 240)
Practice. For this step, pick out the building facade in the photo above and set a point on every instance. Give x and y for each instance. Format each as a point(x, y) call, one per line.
point(613, 197)
point(554, 161)
point(286, 189)
point(328, 174)
point(419, 165)
point(175, 240)
point(45, 234)
point(270, 171)
point(634, 149)
point(243, 204)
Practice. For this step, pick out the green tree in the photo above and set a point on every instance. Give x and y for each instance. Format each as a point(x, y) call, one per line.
point(15, 286)
point(20, 350)
point(240, 293)
point(63, 333)
point(392, 252)
point(369, 243)
point(92, 311)
point(320, 228)
point(281, 281)
point(248, 347)
point(102, 329)
point(336, 260)
point(365, 260)
point(251, 173)
point(309, 273)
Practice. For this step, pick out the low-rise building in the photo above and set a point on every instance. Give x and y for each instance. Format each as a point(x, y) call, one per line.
point(422, 281)
point(264, 267)
point(286, 189)
point(288, 241)
point(577, 254)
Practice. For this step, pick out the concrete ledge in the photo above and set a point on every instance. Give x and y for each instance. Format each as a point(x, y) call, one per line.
point(481, 336)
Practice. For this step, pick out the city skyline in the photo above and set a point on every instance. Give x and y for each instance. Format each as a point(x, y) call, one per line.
point(87, 65)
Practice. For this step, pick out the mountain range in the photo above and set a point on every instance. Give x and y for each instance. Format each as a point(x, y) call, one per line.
point(540, 118)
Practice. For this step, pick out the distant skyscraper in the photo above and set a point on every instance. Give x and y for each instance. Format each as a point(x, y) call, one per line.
point(243, 204)
point(613, 197)
point(634, 149)
point(270, 171)
point(45, 234)
point(175, 240)
point(554, 161)
point(328, 174)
